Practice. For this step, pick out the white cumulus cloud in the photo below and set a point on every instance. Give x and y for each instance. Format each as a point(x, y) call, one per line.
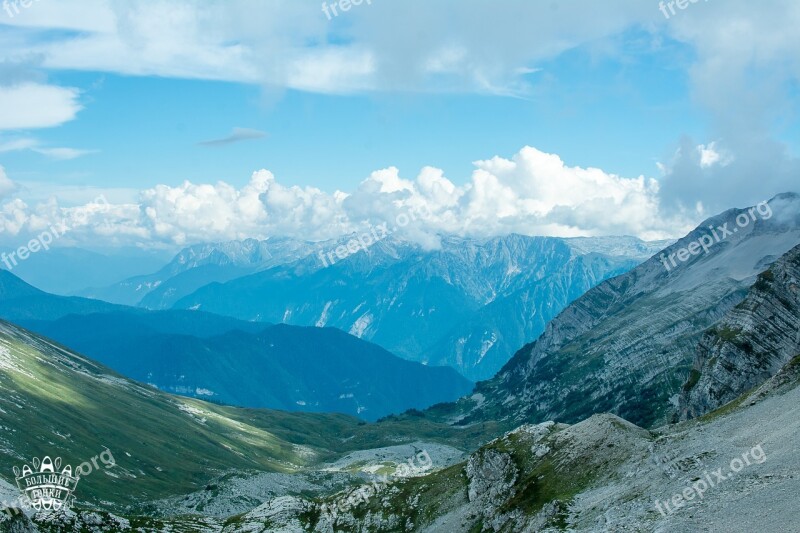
point(532, 193)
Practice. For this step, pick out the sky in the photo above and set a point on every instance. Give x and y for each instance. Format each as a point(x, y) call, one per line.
point(165, 123)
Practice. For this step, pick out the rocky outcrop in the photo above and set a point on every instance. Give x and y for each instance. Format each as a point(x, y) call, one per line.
point(627, 345)
point(751, 344)
point(492, 475)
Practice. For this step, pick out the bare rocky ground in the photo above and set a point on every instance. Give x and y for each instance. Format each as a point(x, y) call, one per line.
point(601, 475)
point(761, 497)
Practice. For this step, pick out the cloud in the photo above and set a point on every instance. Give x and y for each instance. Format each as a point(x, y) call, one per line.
point(710, 156)
point(532, 193)
point(718, 176)
point(447, 46)
point(290, 44)
point(237, 135)
point(742, 71)
point(6, 185)
point(34, 105)
point(63, 154)
point(24, 143)
point(744, 77)
point(16, 145)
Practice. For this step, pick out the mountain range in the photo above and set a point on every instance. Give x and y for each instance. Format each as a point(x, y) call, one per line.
point(634, 394)
point(628, 345)
point(57, 401)
point(67, 270)
point(222, 359)
point(199, 265)
point(468, 304)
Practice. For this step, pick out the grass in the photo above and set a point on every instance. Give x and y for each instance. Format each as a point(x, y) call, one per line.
point(694, 379)
point(728, 334)
point(74, 408)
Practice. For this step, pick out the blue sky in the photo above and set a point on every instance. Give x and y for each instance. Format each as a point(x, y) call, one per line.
point(128, 99)
point(142, 131)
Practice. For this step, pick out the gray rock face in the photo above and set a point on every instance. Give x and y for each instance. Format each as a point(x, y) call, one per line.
point(627, 345)
point(492, 475)
point(751, 344)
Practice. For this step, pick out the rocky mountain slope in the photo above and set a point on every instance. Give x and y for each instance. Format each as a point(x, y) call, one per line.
point(737, 470)
point(734, 470)
point(751, 343)
point(468, 304)
point(627, 346)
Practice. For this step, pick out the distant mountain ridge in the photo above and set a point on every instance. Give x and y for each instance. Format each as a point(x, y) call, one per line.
point(283, 367)
point(251, 364)
point(199, 265)
point(66, 270)
point(468, 304)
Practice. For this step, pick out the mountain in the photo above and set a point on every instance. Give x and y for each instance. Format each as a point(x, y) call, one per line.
point(19, 301)
point(200, 265)
point(56, 402)
point(627, 346)
point(250, 364)
point(486, 340)
point(751, 343)
point(468, 304)
point(64, 271)
point(736, 470)
point(279, 367)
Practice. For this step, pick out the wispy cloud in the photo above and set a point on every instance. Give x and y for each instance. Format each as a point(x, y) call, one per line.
point(63, 154)
point(16, 145)
point(27, 143)
point(237, 135)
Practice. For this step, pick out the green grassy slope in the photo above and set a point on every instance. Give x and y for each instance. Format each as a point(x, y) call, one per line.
point(58, 403)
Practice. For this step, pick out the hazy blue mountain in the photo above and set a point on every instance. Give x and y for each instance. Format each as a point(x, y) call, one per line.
point(199, 265)
point(279, 367)
point(22, 303)
point(627, 346)
point(65, 271)
point(468, 304)
point(57, 401)
point(251, 364)
point(20, 300)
